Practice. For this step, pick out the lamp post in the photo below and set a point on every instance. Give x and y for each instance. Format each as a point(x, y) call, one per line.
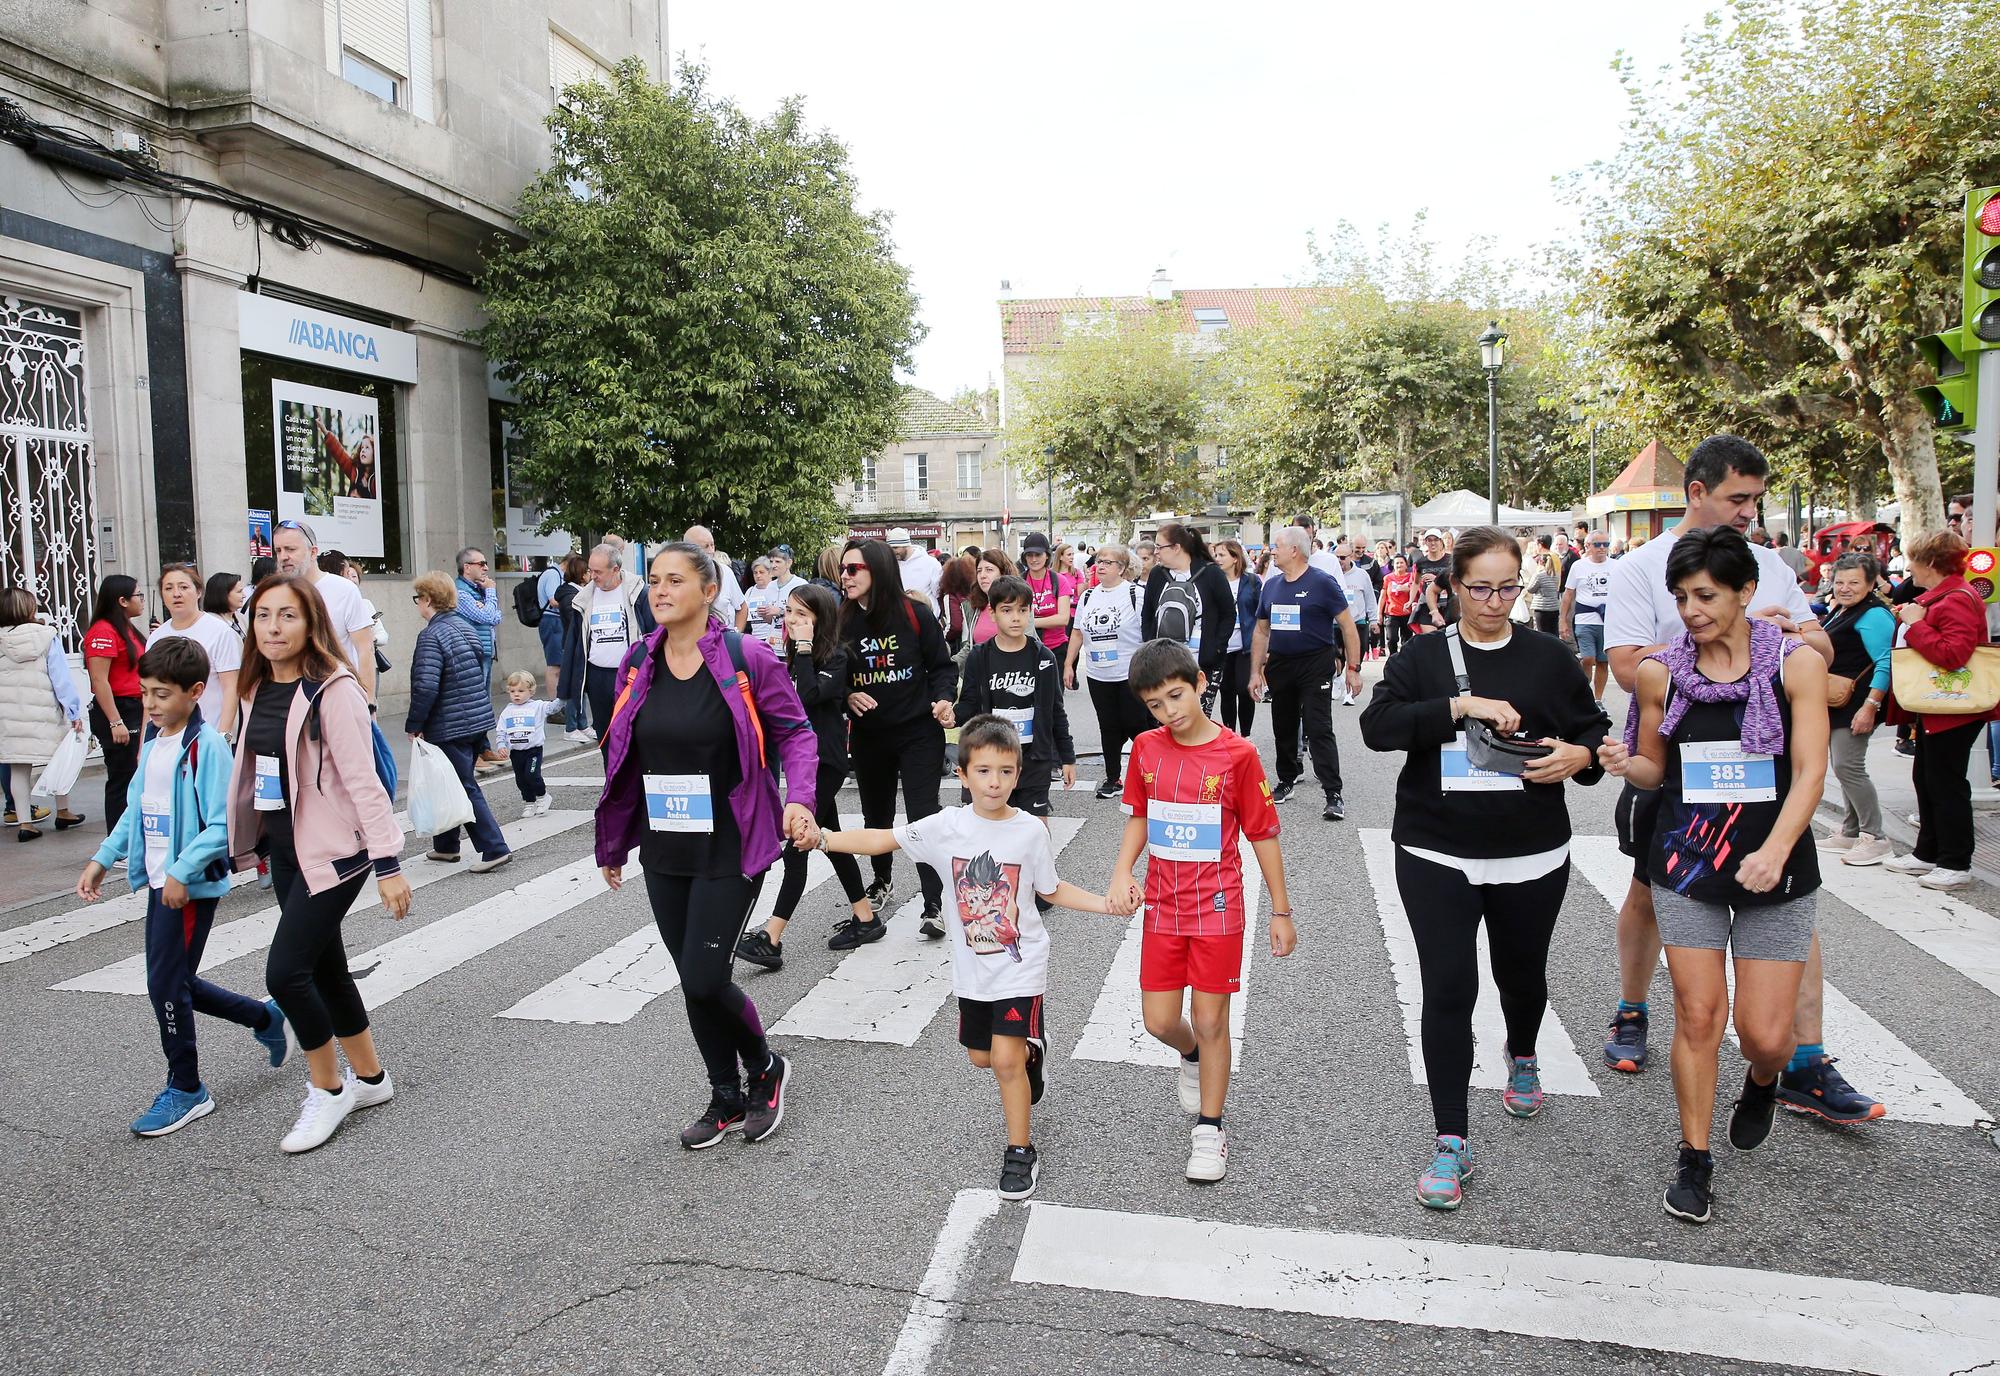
point(1492, 354)
point(1589, 420)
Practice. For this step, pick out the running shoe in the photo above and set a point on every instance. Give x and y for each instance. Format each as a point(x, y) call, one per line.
point(759, 949)
point(1018, 1171)
point(1283, 792)
point(1908, 864)
point(1691, 1191)
point(1868, 850)
point(1750, 1121)
point(1822, 1091)
point(366, 1095)
point(717, 1121)
point(1947, 879)
point(1908, 748)
point(931, 928)
point(1037, 1054)
point(850, 932)
point(1110, 788)
point(880, 894)
point(1523, 1094)
point(1208, 1154)
point(1626, 1050)
point(320, 1116)
point(1188, 1083)
point(1440, 1186)
point(443, 857)
point(484, 865)
point(766, 1108)
point(279, 1039)
point(1336, 808)
point(1839, 841)
point(263, 874)
point(584, 737)
point(173, 1109)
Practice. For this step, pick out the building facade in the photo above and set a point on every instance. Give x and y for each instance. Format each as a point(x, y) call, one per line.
point(237, 247)
point(944, 479)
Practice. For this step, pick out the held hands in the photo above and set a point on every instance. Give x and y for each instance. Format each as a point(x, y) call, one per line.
point(799, 827)
point(90, 884)
point(1761, 869)
point(1284, 936)
point(942, 711)
point(1125, 896)
point(1501, 716)
point(394, 891)
point(1563, 762)
point(1615, 758)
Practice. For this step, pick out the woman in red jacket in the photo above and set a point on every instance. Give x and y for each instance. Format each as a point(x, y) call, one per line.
point(1945, 624)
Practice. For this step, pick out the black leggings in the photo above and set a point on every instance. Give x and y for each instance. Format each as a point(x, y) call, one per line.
point(700, 921)
point(306, 970)
point(1237, 704)
point(1395, 630)
point(1944, 797)
point(1549, 622)
point(601, 687)
point(826, 812)
point(914, 755)
point(120, 761)
point(1120, 718)
point(1444, 910)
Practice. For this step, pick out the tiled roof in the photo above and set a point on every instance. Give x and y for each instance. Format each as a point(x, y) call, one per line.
point(924, 414)
point(1029, 326)
point(1654, 466)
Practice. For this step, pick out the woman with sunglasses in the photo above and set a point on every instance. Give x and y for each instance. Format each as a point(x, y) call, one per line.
point(899, 698)
point(1475, 846)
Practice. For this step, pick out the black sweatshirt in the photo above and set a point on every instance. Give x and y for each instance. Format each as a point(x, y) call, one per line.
point(1410, 710)
point(905, 668)
point(1218, 609)
point(823, 693)
point(1052, 743)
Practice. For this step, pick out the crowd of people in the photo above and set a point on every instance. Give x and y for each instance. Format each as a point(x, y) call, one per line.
point(730, 711)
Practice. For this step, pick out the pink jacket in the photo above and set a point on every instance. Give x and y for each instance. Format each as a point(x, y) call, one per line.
point(339, 806)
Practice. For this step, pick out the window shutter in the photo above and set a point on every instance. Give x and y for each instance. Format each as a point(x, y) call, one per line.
point(569, 64)
point(379, 30)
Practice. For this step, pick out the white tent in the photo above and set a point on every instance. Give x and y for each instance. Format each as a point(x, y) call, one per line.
point(1464, 508)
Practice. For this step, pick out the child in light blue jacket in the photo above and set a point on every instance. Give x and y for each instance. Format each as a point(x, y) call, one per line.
point(174, 838)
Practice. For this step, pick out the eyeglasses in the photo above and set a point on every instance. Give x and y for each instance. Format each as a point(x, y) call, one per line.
point(1486, 592)
point(475, 563)
point(1600, 544)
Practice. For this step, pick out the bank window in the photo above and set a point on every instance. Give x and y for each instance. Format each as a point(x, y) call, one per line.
point(968, 473)
point(333, 439)
point(917, 478)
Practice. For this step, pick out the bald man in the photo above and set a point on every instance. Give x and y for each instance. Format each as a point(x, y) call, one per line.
point(730, 603)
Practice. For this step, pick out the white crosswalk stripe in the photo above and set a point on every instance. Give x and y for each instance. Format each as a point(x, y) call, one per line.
point(74, 924)
point(1940, 925)
point(245, 935)
point(1875, 1060)
point(1563, 1071)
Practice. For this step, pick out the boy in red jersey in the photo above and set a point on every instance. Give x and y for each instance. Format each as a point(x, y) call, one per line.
point(1192, 789)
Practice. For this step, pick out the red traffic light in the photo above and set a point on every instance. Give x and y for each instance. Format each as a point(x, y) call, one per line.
point(1989, 217)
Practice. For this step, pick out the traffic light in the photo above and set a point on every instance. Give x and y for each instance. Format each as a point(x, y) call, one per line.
point(1982, 270)
point(1952, 400)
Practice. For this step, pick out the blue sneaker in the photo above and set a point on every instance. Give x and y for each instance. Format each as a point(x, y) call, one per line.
point(1823, 1092)
point(1523, 1094)
point(1438, 1187)
point(1626, 1049)
point(173, 1110)
point(279, 1039)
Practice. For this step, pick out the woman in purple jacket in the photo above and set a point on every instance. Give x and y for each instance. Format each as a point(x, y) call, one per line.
point(702, 718)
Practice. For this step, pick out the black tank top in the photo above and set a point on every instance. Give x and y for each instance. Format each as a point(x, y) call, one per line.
point(1718, 804)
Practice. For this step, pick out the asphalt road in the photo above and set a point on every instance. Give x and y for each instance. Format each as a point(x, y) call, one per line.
point(523, 1205)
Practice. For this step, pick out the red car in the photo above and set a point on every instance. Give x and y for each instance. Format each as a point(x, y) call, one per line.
point(1830, 542)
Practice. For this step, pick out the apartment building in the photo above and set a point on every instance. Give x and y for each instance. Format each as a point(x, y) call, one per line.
point(945, 480)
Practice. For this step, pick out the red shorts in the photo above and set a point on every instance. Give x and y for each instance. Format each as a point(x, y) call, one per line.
point(1207, 964)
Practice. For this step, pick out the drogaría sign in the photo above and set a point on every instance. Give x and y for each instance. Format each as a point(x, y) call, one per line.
point(267, 325)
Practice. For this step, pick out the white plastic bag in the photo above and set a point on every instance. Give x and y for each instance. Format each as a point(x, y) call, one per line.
point(438, 801)
point(59, 774)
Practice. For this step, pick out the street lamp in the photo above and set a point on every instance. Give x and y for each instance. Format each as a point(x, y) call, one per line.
point(1579, 416)
point(1492, 354)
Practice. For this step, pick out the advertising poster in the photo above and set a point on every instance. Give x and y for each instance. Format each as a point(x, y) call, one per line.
point(329, 465)
point(524, 514)
point(260, 534)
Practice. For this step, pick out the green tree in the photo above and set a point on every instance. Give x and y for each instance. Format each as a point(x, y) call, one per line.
point(1116, 416)
point(1783, 220)
point(698, 323)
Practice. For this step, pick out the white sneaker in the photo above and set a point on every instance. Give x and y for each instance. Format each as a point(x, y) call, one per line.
point(583, 737)
point(1946, 879)
point(1915, 819)
point(366, 1095)
point(1837, 841)
point(320, 1116)
point(1347, 700)
point(541, 805)
point(1908, 864)
point(484, 866)
point(1208, 1154)
point(1868, 850)
point(1189, 1084)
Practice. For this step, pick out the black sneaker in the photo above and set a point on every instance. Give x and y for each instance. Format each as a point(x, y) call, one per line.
point(1283, 792)
point(1336, 808)
point(1110, 788)
point(767, 1100)
point(1018, 1170)
point(1626, 1048)
point(1690, 1194)
point(1036, 1084)
point(717, 1121)
point(850, 932)
point(1750, 1124)
point(759, 949)
point(932, 925)
point(879, 893)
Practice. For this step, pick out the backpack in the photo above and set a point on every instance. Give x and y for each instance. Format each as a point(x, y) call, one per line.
point(527, 601)
point(733, 642)
point(1179, 613)
point(385, 760)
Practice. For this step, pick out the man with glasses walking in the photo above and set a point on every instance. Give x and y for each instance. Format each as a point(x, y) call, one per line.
point(1584, 594)
point(479, 606)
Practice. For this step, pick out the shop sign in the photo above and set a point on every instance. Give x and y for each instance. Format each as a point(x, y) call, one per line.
point(267, 325)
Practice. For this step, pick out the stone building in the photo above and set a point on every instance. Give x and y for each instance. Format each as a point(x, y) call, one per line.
point(944, 479)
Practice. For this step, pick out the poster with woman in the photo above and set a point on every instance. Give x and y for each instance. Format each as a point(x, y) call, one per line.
point(329, 465)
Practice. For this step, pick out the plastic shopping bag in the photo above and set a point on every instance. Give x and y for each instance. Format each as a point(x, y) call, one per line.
point(438, 801)
point(59, 774)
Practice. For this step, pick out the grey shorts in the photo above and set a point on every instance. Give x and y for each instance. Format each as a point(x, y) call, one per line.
point(1771, 931)
point(1590, 643)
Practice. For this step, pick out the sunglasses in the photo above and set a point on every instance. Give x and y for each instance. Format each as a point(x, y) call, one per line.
point(854, 568)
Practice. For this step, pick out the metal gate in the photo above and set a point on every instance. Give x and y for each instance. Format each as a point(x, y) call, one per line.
point(48, 466)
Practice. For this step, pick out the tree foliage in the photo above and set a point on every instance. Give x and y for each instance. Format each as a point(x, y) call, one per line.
point(697, 321)
point(1783, 220)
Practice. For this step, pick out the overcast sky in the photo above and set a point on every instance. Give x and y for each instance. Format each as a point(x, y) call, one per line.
point(1074, 147)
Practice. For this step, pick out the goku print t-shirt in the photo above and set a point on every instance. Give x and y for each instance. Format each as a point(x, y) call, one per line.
point(991, 872)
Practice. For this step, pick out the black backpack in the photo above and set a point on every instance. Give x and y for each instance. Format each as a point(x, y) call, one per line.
point(1179, 612)
point(528, 601)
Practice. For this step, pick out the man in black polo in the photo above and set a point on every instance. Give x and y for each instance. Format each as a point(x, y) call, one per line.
point(1293, 654)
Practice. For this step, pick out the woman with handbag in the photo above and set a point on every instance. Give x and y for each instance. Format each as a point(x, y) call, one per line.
point(1934, 670)
point(1481, 826)
point(1863, 630)
point(38, 702)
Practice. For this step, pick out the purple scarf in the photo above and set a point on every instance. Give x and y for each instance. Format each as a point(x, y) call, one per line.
point(1763, 726)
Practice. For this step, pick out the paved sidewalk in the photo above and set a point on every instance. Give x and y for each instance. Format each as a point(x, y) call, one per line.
point(1891, 774)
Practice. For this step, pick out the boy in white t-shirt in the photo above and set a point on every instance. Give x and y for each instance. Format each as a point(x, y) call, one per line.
point(994, 855)
point(521, 730)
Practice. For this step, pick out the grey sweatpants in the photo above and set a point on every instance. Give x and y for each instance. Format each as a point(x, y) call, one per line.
point(1850, 766)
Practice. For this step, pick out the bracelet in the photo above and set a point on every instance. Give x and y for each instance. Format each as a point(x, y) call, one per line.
point(1287, 913)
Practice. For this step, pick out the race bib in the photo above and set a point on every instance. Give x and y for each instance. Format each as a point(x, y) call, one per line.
point(519, 728)
point(679, 802)
point(155, 823)
point(607, 626)
point(1285, 617)
point(1023, 719)
point(270, 794)
point(1106, 658)
point(1456, 774)
point(1724, 772)
point(1184, 831)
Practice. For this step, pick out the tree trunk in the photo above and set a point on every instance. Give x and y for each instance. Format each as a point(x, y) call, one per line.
point(1911, 448)
point(1861, 490)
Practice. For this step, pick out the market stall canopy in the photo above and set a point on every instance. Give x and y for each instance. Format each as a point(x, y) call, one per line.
point(1464, 508)
point(1653, 481)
